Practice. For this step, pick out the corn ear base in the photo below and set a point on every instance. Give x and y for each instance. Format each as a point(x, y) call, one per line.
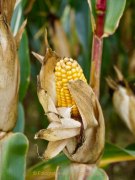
point(80, 171)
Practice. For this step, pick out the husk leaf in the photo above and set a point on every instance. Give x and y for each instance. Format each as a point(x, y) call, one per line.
point(9, 71)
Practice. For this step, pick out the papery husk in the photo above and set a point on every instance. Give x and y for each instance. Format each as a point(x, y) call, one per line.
point(123, 99)
point(91, 147)
point(9, 72)
point(59, 133)
point(124, 104)
point(54, 148)
point(7, 8)
point(46, 76)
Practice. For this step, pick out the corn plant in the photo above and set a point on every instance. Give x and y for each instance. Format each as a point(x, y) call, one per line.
point(79, 49)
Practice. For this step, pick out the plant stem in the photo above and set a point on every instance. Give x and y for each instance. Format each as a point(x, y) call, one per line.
point(97, 47)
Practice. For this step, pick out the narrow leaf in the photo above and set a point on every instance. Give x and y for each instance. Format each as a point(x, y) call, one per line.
point(20, 122)
point(114, 13)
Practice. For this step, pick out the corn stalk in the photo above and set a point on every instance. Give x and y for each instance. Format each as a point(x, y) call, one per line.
point(97, 46)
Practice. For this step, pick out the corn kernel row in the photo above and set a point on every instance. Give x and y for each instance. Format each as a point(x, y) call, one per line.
point(67, 69)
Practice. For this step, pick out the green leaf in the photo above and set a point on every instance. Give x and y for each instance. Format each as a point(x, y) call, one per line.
point(113, 154)
point(25, 66)
point(24, 59)
point(13, 149)
point(47, 168)
point(21, 119)
point(114, 13)
point(16, 18)
point(84, 33)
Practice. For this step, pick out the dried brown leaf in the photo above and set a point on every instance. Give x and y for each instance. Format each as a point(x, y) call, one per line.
point(57, 133)
point(54, 148)
point(64, 111)
point(38, 57)
point(46, 76)
point(132, 114)
point(7, 8)
point(70, 123)
point(85, 100)
point(9, 75)
point(48, 105)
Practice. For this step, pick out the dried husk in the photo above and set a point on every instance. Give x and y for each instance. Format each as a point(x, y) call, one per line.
point(9, 71)
point(92, 144)
point(7, 8)
point(83, 140)
point(123, 100)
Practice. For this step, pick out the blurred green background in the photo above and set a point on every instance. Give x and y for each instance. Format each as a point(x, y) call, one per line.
point(70, 34)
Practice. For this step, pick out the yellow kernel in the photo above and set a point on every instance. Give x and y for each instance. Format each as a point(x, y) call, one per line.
point(75, 78)
point(71, 60)
point(66, 91)
point(63, 65)
point(57, 73)
point(74, 64)
point(75, 75)
point(78, 74)
point(69, 77)
point(68, 97)
point(64, 80)
point(66, 59)
point(68, 100)
point(69, 63)
point(64, 75)
point(63, 71)
point(69, 104)
point(68, 67)
point(65, 88)
point(69, 72)
point(58, 79)
point(73, 70)
point(58, 83)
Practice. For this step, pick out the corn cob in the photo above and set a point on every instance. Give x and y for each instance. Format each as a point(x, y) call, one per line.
point(67, 69)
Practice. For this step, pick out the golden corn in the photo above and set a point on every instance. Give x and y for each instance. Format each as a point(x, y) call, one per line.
point(67, 69)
